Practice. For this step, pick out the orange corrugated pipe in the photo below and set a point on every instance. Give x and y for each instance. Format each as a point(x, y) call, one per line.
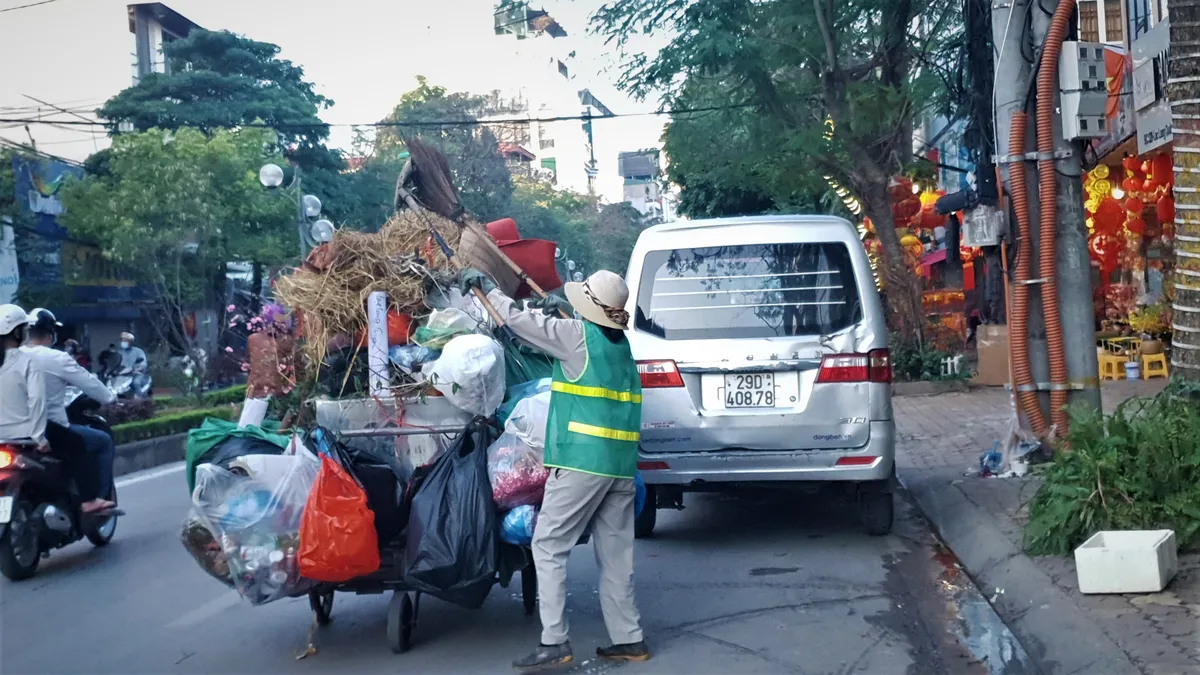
point(1018, 321)
point(1047, 84)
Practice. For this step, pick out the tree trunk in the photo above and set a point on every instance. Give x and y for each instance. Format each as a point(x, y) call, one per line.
point(904, 308)
point(1183, 90)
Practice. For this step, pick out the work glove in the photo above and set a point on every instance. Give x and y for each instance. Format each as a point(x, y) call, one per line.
point(552, 305)
point(470, 278)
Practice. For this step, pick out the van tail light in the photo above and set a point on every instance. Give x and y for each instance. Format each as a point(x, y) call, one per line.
point(874, 366)
point(857, 460)
point(659, 374)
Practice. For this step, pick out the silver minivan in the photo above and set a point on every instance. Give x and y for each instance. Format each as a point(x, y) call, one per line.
point(763, 352)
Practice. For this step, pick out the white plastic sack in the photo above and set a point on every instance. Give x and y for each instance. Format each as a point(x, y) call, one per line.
point(442, 326)
point(470, 374)
point(453, 298)
point(528, 420)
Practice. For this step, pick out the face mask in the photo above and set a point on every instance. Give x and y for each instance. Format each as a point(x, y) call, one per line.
point(125, 345)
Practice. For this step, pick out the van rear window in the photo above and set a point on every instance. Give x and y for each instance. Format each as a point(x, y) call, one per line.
point(750, 291)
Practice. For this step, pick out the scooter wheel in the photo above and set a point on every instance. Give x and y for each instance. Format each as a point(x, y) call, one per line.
point(102, 532)
point(20, 551)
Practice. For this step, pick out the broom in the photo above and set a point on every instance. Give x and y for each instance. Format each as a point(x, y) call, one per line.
point(510, 342)
point(434, 188)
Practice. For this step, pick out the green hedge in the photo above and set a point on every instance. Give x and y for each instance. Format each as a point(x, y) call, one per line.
point(229, 396)
point(168, 424)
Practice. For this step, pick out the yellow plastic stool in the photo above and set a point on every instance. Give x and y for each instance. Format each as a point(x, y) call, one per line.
point(1154, 365)
point(1112, 366)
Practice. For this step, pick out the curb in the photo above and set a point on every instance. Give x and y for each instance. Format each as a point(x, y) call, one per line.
point(929, 387)
point(148, 454)
point(1055, 631)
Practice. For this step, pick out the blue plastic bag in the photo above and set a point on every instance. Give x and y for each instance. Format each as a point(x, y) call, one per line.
point(639, 499)
point(517, 392)
point(517, 526)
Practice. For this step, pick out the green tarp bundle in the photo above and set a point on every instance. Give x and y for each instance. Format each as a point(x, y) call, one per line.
point(214, 431)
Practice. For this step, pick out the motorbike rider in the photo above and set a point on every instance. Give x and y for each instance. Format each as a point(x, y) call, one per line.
point(23, 408)
point(133, 360)
point(60, 371)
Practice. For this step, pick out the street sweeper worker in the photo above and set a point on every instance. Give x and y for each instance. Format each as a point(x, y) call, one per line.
point(592, 434)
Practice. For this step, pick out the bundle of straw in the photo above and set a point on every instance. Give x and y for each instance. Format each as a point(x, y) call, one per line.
point(332, 300)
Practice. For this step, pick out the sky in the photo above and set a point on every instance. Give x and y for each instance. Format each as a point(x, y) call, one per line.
point(364, 54)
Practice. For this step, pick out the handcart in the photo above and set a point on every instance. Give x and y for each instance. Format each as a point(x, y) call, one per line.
point(404, 607)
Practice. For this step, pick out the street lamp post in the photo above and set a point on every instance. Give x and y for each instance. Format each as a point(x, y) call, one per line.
point(308, 207)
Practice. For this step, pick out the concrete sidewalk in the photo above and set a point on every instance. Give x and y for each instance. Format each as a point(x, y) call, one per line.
point(981, 519)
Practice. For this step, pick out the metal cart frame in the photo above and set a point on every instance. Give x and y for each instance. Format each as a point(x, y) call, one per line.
point(405, 605)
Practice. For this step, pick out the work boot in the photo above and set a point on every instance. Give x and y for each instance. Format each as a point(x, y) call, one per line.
point(545, 657)
point(637, 651)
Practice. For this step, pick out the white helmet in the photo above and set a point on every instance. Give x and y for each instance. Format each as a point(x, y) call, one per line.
point(11, 318)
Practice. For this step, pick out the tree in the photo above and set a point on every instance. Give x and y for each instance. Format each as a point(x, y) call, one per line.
point(1183, 92)
point(837, 85)
point(221, 81)
point(449, 122)
point(174, 207)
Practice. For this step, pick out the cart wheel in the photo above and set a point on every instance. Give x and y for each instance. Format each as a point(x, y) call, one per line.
point(400, 621)
point(529, 589)
point(322, 606)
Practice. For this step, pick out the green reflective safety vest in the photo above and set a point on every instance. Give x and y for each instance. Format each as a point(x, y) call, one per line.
point(595, 420)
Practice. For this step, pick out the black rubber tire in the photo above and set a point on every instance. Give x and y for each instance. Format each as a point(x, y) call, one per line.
point(643, 524)
point(529, 589)
point(10, 567)
point(877, 509)
point(95, 533)
point(321, 603)
point(400, 620)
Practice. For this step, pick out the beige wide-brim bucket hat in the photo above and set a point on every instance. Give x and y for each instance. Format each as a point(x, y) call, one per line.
point(600, 299)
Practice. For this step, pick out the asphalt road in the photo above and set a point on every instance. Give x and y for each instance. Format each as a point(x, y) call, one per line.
point(781, 583)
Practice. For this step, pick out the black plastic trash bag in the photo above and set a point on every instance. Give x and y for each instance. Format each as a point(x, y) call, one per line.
point(452, 547)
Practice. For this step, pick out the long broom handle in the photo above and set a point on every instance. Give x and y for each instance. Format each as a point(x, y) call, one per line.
point(451, 257)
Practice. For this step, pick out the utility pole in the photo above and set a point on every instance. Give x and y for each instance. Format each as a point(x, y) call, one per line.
point(1072, 262)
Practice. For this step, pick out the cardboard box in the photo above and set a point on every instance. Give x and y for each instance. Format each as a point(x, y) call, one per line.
point(991, 341)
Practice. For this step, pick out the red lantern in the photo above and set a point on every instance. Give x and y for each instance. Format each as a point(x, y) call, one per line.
point(1165, 209)
point(930, 219)
point(1136, 225)
point(1134, 205)
point(967, 254)
point(1164, 172)
point(901, 190)
point(1132, 184)
point(1130, 163)
point(1146, 167)
point(1109, 215)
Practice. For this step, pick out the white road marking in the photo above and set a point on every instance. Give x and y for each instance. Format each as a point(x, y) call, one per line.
point(206, 611)
point(150, 474)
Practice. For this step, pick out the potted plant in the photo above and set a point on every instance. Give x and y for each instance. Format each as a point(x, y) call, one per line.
point(1151, 322)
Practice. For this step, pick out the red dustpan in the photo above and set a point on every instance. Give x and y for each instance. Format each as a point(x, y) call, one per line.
point(534, 256)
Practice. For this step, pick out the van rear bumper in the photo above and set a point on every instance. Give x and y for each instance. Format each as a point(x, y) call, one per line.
point(738, 466)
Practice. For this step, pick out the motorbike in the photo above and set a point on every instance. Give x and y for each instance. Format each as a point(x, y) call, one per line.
point(40, 509)
point(126, 383)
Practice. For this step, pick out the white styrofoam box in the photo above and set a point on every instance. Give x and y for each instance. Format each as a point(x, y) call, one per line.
point(1132, 561)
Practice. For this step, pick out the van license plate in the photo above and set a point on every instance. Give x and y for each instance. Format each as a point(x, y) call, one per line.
point(5, 509)
point(750, 390)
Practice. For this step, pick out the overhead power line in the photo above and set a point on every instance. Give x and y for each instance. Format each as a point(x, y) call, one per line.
point(423, 123)
point(32, 4)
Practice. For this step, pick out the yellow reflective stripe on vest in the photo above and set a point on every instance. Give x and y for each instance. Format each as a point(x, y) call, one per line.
point(595, 392)
point(601, 432)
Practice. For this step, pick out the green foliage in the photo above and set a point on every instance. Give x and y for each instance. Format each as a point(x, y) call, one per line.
point(918, 362)
point(822, 88)
point(168, 424)
point(229, 81)
point(473, 153)
point(174, 207)
point(228, 396)
point(1137, 468)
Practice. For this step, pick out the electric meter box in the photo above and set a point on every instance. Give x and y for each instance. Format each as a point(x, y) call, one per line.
point(1084, 97)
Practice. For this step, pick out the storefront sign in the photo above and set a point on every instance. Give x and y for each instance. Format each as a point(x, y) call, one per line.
point(9, 276)
point(1149, 66)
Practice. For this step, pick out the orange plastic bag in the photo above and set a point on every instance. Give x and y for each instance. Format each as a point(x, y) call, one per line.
point(337, 531)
